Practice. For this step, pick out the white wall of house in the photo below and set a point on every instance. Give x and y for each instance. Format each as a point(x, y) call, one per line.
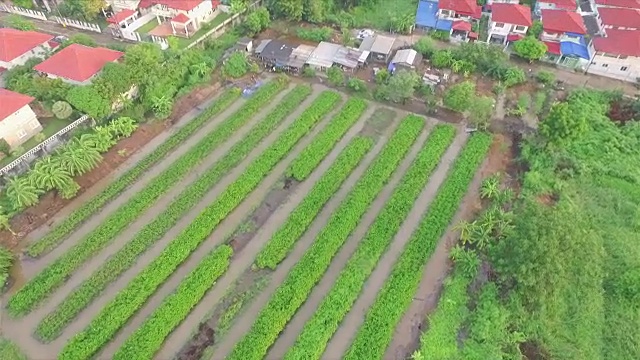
point(452, 15)
point(504, 29)
point(39, 51)
point(489, 2)
point(201, 13)
point(69, 81)
point(547, 36)
point(605, 26)
point(617, 67)
point(20, 126)
point(119, 5)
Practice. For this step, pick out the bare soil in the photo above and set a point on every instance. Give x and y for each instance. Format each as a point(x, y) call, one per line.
point(50, 204)
point(407, 334)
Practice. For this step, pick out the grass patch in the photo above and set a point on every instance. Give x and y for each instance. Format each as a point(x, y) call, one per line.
point(379, 15)
point(184, 42)
point(10, 351)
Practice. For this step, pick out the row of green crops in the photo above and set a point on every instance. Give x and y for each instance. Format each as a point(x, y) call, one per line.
point(318, 331)
point(53, 324)
point(77, 217)
point(313, 154)
point(127, 302)
point(299, 220)
point(54, 275)
point(397, 293)
point(440, 341)
point(148, 338)
point(292, 293)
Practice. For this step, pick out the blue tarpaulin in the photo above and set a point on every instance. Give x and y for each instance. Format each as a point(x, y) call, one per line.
point(444, 25)
point(427, 14)
point(571, 48)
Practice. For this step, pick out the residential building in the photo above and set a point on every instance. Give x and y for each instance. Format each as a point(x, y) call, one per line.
point(16, 47)
point(77, 64)
point(380, 47)
point(509, 22)
point(570, 5)
point(406, 59)
point(454, 16)
point(617, 55)
point(274, 53)
point(564, 34)
point(629, 4)
point(619, 18)
point(120, 5)
point(184, 17)
point(18, 123)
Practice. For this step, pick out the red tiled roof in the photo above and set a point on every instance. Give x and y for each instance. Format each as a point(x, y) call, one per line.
point(120, 16)
point(562, 4)
point(619, 42)
point(464, 7)
point(630, 4)
point(14, 43)
point(11, 102)
point(180, 18)
point(514, 37)
point(185, 5)
point(461, 25)
point(618, 17)
point(562, 21)
point(511, 14)
point(78, 62)
point(552, 47)
point(472, 35)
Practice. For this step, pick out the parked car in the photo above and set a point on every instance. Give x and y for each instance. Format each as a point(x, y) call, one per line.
point(364, 33)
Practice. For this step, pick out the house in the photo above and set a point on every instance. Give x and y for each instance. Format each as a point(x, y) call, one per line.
point(629, 4)
point(299, 57)
point(509, 22)
point(617, 55)
point(406, 59)
point(570, 5)
point(16, 47)
point(453, 16)
point(619, 18)
point(77, 64)
point(564, 33)
point(18, 123)
point(120, 5)
point(179, 17)
point(459, 9)
point(380, 47)
point(323, 56)
point(274, 53)
point(349, 59)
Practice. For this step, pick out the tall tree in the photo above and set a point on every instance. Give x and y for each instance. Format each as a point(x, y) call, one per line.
point(530, 48)
point(21, 193)
point(89, 9)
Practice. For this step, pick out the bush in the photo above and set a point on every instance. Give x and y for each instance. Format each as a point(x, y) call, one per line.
point(440, 35)
point(424, 46)
point(308, 72)
point(357, 85)
point(18, 22)
point(257, 21)
point(336, 76)
point(61, 109)
point(315, 34)
point(459, 96)
point(237, 65)
point(545, 77)
point(442, 58)
point(81, 39)
point(89, 101)
point(4, 147)
point(6, 261)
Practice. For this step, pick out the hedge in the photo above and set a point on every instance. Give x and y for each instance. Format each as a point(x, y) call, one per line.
point(313, 154)
point(53, 324)
point(317, 332)
point(301, 218)
point(77, 217)
point(54, 275)
point(293, 292)
point(116, 314)
point(396, 295)
point(148, 338)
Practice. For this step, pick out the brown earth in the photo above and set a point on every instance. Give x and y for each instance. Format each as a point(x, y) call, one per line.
point(50, 203)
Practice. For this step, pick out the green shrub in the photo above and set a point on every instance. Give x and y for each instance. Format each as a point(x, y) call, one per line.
point(315, 34)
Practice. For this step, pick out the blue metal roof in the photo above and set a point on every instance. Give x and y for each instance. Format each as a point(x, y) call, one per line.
point(573, 49)
point(444, 25)
point(427, 14)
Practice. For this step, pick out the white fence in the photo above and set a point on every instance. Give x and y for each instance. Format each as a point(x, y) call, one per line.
point(219, 30)
point(24, 12)
point(40, 146)
point(77, 24)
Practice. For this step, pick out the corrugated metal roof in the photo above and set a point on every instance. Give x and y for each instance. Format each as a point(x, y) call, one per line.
point(300, 55)
point(262, 45)
point(277, 51)
point(383, 44)
point(323, 55)
point(407, 56)
point(367, 43)
point(348, 57)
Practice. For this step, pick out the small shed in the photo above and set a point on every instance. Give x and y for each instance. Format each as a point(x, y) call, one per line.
point(405, 59)
point(263, 44)
point(349, 58)
point(380, 47)
point(275, 54)
point(299, 57)
point(323, 56)
point(245, 44)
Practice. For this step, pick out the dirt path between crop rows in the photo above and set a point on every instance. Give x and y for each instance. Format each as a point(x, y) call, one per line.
point(23, 328)
point(243, 259)
point(407, 333)
point(221, 232)
point(306, 311)
point(343, 337)
point(32, 266)
point(246, 320)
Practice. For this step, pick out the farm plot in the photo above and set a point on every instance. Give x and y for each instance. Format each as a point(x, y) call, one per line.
point(258, 241)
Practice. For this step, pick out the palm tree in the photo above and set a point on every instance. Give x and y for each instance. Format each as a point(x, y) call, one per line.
point(466, 229)
point(48, 174)
point(22, 193)
point(467, 261)
point(123, 126)
point(490, 187)
point(5, 224)
point(161, 106)
point(200, 70)
point(103, 140)
point(78, 158)
point(69, 190)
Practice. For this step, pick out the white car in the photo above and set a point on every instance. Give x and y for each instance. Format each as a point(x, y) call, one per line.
point(365, 33)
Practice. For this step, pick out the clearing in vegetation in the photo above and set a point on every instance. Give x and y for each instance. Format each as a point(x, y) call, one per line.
point(380, 162)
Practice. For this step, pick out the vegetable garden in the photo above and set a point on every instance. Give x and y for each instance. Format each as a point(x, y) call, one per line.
point(288, 187)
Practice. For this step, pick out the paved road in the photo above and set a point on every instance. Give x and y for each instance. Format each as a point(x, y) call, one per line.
point(54, 28)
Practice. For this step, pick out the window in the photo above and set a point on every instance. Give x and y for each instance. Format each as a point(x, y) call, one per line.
point(520, 28)
point(34, 124)
point(498, 25)
point(624, 68)
point(22, 133)
point(605, 65)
